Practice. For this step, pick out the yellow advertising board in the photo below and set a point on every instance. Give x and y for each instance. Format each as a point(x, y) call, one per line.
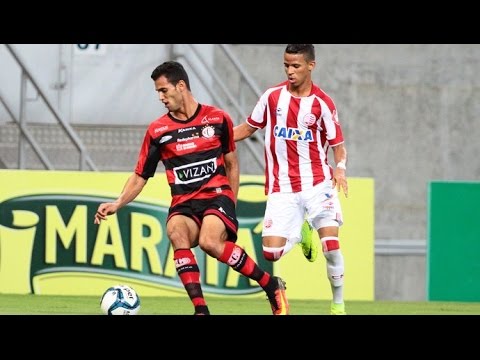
point(50, 245)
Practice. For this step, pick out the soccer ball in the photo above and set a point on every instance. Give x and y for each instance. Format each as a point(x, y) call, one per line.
point(120, 300)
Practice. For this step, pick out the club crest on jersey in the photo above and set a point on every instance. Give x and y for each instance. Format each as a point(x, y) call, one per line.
point(309, 119)
point(193, 172)
point(208, 132)
point(294, 134)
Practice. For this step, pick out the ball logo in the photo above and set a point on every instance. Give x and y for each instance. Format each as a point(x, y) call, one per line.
point(129, 293)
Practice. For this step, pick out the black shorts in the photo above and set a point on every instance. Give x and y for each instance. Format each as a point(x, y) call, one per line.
point(221, 206)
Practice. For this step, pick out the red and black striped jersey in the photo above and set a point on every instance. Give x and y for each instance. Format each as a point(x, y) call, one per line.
point(192, 152)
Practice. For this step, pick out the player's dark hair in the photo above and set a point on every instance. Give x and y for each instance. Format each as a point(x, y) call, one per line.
point(173, 72)
point(307, 50)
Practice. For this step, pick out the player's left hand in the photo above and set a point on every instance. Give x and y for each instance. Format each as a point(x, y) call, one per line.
point(340, 181)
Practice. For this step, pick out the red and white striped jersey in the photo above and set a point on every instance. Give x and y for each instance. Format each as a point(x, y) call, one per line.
point(298, 134)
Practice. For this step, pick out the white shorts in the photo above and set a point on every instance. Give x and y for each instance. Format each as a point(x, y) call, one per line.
point(286, 212)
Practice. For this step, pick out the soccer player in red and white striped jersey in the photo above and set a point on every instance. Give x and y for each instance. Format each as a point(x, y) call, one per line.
point(301, 125)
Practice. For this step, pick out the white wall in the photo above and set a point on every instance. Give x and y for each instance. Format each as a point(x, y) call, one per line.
point(93, 83)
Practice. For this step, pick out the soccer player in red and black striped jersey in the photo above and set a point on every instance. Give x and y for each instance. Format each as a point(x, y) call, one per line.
point(195, 143)
point(301, 124)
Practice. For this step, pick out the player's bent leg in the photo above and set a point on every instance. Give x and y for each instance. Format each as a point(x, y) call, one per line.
point(275, 247)
point(273, 253)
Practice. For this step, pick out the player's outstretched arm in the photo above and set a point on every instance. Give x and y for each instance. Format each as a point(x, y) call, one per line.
point(243, 131)
point(132, 188)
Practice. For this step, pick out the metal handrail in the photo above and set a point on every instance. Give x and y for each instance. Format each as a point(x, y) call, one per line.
point(84, 156)
point(38, 150)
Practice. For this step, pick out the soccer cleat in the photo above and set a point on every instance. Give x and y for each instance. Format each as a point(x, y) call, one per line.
point(201, 310)
point(278, 298)
point(337, 309)
point(309, 244)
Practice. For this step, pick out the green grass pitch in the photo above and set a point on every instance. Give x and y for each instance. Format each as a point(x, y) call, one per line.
point(88, 305)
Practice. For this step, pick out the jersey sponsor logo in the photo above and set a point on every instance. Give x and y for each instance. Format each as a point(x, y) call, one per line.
point(163, 128)
point(194, 136)
point(208, 132)
point(328, 205)
point(294, 134)
point(46, 237)
point(193, 172)
point(187, 146)
point(165, 138)
point(186, 129)
point(206, 119)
